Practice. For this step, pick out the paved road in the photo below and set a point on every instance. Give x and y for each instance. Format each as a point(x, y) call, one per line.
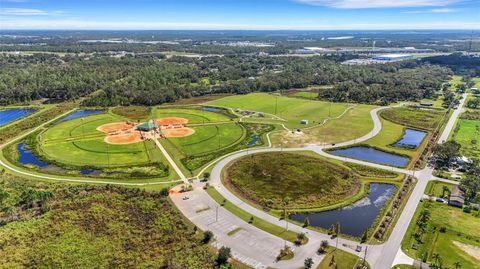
point(379, 256)
point(170, 160)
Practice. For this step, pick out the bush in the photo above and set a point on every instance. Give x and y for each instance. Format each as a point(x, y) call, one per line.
point(207, 236)
point(224, 254)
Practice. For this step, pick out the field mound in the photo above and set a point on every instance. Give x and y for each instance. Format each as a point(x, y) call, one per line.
point(266, 179)
point(172, 121)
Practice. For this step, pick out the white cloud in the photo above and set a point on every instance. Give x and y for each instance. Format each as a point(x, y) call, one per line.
point(125, 25)
point(436, 10)
point(29, 12)
point(377, 3)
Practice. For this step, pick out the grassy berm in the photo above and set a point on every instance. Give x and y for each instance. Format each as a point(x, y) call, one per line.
point(80, 226)
point(309, 182)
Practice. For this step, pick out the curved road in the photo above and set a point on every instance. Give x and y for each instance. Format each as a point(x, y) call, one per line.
point(382, 256)
point(252, 243)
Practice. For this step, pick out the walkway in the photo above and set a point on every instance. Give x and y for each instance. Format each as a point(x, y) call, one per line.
point(379, 256)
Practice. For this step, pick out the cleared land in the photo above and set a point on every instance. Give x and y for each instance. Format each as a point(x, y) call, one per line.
point(194, 115)
point(450, 232)
point(293, 110)
point(467, 134)
point(132, 112)
point(266, 179)
point(356, 122)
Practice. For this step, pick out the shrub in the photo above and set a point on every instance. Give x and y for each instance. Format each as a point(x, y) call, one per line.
point(207, 236)
point(224, 254)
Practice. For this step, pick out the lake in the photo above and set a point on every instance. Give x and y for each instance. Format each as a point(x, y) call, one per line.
point(354, 219)
point(9, 115)
point(27, 157)
point(372, 155)
point(411, 139)
point(81, 113)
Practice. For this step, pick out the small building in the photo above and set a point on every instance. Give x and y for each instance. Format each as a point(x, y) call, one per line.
point(457, 197)
point(392, 57)
point(305, 122)
point(147, 126)
point(426, 104)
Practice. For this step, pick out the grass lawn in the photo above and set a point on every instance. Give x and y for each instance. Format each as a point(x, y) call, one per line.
point(293, 110)
point(389, 135)
point(259, 223)
point(415, 118)
point(306, 95)
point(435, 188)
point(454, 81)
point(194, 115)
point(437, 103)
point(477, 82)
point(459, 242)
point(355, 123)
point(342, 260)
point(266, 179)
point(209, 138)
point(467, 134)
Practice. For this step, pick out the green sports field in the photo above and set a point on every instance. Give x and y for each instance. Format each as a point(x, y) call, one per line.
point(77, 142)
point(292, 110)
point(194, 115)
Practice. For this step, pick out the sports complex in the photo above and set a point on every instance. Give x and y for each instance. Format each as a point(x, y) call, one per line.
point(268, 160)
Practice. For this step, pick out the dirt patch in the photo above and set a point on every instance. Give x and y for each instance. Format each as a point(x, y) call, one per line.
point(473, 251)
point(115, 127)
point(172, 121)
point(124, 139)
point(178, 132)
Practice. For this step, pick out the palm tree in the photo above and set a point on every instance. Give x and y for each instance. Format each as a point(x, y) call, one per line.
point(436, 258)
point(457, 265)
point(337, 232)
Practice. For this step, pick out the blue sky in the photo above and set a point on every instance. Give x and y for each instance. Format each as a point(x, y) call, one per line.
point(240, 14)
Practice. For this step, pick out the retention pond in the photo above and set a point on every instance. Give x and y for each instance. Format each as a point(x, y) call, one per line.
point(354, 219)
point(372, 155)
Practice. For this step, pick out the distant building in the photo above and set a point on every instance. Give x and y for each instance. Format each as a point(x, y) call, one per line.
point(457, 197)
point(426, 104)
point(305, 122)
point(392, 57)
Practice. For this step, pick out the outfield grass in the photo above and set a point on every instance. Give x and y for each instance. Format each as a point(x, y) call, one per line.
point(354, 123)
point(460, 228)
point(193, 114)
point(467, 134)
point(266, 179)
point(293, 110)
point(209, 138)
point(259, 223)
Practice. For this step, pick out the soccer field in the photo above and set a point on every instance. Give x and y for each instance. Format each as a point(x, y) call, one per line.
point(293, 110)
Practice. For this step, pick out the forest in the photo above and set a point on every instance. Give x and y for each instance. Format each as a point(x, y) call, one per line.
point(81, 226)
point(153, 79)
